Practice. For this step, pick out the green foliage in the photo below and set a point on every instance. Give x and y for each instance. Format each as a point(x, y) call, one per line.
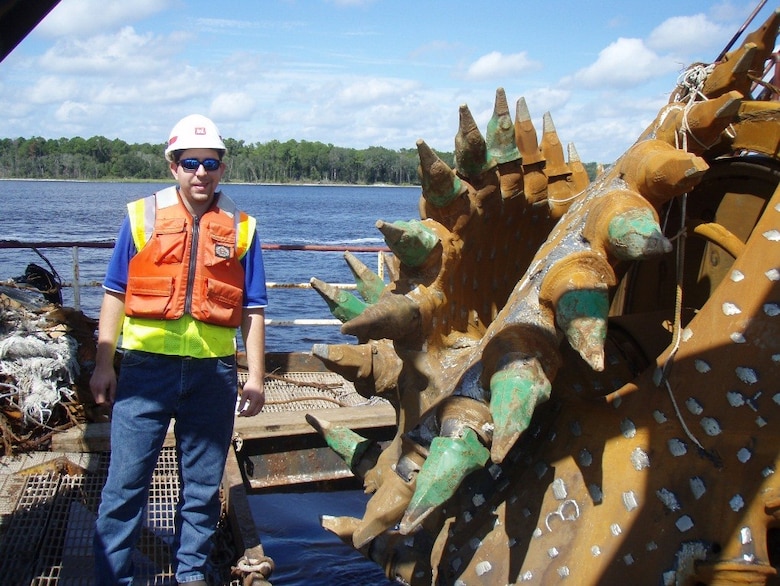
point(99, 158)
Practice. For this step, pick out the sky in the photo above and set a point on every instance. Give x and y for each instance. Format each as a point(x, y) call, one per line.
point(359, 73)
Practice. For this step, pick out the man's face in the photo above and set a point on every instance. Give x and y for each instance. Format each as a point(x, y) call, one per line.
point(197, 185)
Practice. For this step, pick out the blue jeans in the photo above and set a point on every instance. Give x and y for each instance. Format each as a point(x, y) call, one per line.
point(200, 394)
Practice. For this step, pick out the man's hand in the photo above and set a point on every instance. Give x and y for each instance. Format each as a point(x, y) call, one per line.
point(103, 380)
point(103, 385)
point(252, 400)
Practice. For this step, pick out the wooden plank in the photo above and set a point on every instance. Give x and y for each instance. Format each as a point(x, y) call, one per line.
point(286, 423)
point(90, 438)
point(95, 437)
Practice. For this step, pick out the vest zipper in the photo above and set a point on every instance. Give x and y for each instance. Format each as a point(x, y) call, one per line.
point(193, 264)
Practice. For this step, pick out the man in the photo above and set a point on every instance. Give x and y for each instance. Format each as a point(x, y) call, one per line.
point(187, 270)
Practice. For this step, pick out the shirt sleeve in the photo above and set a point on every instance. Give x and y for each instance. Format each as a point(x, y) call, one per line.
point(255, 294)
point(124, 250)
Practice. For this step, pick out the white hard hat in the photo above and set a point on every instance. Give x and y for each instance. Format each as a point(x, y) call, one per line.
point(193, 132)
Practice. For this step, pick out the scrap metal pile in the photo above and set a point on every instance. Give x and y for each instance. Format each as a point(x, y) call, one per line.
point(585, 374)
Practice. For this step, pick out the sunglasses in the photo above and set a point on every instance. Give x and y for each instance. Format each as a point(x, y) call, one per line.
point(193, 164)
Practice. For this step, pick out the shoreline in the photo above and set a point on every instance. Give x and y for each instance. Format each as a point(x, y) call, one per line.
point(166, 182)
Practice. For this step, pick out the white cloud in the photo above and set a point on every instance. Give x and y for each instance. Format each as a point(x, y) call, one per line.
point(687, 35)
point(86, 17)
point(498, 65)
point(232, 106)
point(624, 63)
point(369, 91)
point(75, 113)
point(107, 68)
point(52, 89)
point(540, 100)
point(117, 54)
point(179, 87)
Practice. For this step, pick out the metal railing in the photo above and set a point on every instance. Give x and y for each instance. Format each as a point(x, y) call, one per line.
point(76, 284)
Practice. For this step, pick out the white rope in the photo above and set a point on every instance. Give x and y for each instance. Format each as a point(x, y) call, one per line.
point(250, 565)
point(693, 78)
point(566, 199)
point(669, 108)
point(42, 370)
point(663, 373)
point(692, 82)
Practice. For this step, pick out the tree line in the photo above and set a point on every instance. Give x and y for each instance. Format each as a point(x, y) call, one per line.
point(100, 158)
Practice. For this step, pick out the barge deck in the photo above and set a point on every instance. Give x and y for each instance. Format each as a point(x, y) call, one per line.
point(48, 500)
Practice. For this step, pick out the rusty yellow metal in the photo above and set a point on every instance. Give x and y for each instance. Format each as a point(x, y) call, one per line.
point(632, 439)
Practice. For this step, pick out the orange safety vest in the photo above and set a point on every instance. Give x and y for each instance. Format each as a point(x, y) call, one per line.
point(187, 265)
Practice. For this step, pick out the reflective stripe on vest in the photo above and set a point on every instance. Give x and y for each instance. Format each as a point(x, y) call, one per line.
point(142, 214)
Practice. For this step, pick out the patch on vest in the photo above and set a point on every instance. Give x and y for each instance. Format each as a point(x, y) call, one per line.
point(221, 251)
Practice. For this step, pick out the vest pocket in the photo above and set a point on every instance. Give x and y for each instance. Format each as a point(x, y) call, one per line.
point(148, 296)
point(223, 303)
point(170, 239)
point(222, 246)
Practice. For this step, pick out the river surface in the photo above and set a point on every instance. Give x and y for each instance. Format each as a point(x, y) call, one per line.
point(34, 211)
point(57, 211)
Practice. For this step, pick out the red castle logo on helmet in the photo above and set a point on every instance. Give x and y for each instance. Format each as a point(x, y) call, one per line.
point(200, 131)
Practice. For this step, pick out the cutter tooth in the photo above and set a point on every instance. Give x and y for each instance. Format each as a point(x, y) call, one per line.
point(412, 242)
point(515, 391)
point(625, 226)
point(558, 173)
point(351, 361)
point(582, 315)
point(659, 172)
point(576, 289)
point(534, 179)
point(500, 135)
point(501, 148)
point(732, 72)
point(358, 363)
point(394, 316)
point(386, 506)
point(440, 185)
point(704, 122)
point(358, 452)
point(369, 284)
point(342, 304)
point(579, 174)
point(342, 527)
point(470, 147)
point(449, 461)
point(634, 234)
point(764, 38)
point(525, 135)
point(446, 198)
point(550, 144)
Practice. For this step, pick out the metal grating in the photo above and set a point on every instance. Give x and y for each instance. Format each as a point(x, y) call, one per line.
point(47, 539)
point(306, 391)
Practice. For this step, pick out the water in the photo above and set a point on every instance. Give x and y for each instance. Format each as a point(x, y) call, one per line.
point(303, 552)
point(288, 214)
